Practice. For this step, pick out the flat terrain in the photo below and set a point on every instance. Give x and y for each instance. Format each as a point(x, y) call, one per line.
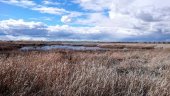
point(124, 69)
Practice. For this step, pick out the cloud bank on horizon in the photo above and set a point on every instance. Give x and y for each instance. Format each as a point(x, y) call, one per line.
point(101, 20)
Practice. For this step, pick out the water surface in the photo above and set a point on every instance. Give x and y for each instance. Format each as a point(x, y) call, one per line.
point(67, 47)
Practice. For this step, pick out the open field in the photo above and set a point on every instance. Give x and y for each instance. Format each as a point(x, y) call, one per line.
point(126, 69)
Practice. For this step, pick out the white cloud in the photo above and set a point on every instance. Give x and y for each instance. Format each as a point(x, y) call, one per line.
point(96, 5)
point(12, 23)
point(22, 3)
point(69, 17)
point(37, 7)
point(49, 2)
point(20, 29)
point(10, 37)
point(29, 30)
point(50, 10)
point(87, 32)
point(128, 17)
point(65, 19)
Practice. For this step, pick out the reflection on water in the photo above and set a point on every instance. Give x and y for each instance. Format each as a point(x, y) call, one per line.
point(67, 47)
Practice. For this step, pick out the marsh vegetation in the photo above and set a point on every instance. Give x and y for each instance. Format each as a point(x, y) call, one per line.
point(85, 73)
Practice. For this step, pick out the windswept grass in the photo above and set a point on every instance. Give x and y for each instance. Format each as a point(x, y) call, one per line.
point(69, 73)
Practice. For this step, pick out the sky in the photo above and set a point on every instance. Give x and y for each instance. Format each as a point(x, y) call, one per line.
point(85, 20)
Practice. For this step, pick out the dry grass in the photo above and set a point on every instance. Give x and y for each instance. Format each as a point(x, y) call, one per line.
point(69, 73)
point(128, 46)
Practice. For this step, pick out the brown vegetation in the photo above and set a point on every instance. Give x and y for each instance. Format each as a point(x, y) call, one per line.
point(85, 73)
point(127, 46)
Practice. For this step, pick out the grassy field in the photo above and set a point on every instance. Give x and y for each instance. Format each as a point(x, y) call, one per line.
point(144, 72)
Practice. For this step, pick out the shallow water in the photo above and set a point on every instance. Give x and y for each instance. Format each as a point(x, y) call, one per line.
point(67, 47)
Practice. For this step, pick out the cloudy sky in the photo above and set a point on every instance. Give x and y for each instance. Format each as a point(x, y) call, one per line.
point(101, 20)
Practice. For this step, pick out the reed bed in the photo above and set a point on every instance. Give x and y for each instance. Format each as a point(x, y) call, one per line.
point(73, 73)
